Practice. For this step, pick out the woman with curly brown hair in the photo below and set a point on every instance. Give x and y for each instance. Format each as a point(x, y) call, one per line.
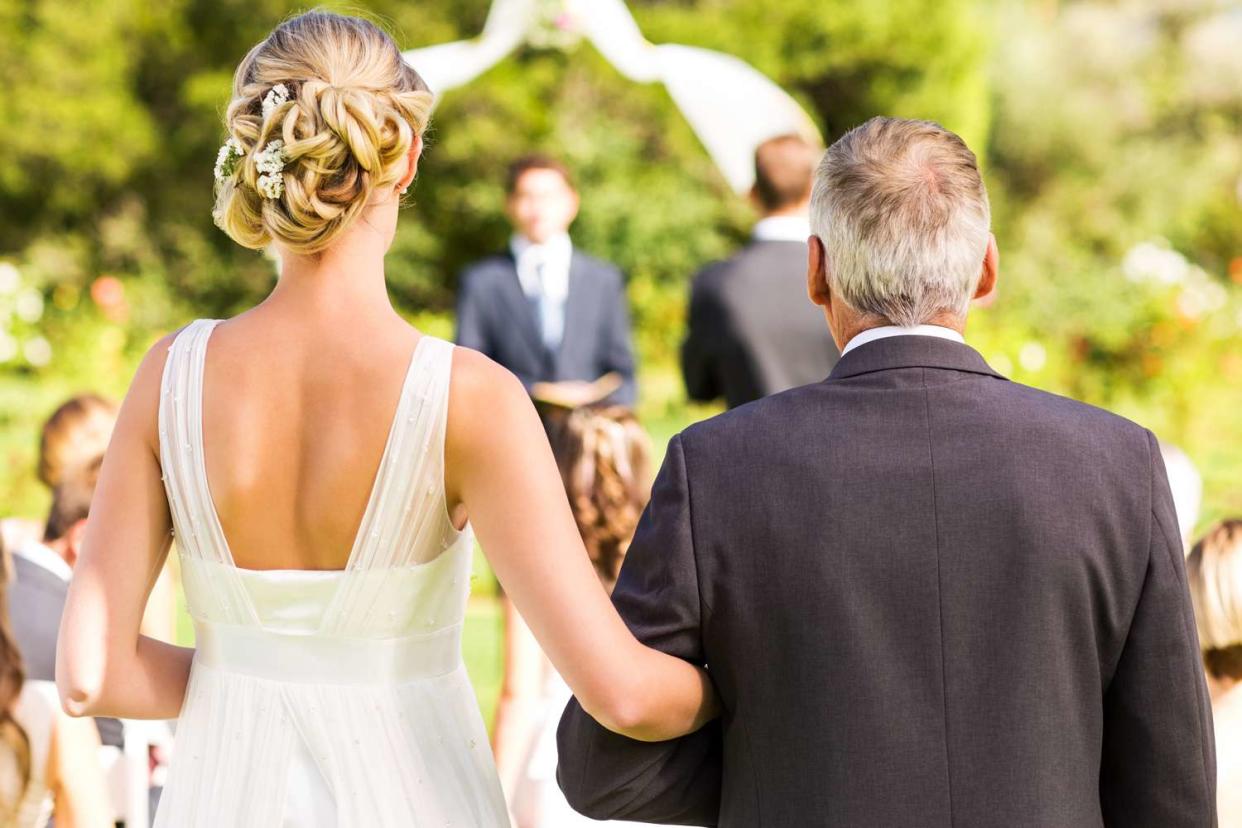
point(604, 457)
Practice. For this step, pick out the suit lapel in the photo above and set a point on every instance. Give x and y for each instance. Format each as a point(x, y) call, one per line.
point(577, 315)
point(524, 312)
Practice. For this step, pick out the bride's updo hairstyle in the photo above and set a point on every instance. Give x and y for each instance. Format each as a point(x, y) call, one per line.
point(323, 111)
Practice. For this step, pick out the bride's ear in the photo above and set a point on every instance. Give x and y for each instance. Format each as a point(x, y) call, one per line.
point(412, 155)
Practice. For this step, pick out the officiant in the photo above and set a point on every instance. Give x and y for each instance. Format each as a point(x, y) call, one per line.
point(553, 315)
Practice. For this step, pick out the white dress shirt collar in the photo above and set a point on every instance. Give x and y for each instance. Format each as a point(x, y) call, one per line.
point(782, 228)
point(885, 331)
point(45, 557)
point(556, 254)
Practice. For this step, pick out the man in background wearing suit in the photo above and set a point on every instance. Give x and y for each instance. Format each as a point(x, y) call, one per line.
point(752, 331)
point(41, 573)
point(926, 595)
point(554, 316)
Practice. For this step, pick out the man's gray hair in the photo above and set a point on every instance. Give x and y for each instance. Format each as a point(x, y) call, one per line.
point(904, 217)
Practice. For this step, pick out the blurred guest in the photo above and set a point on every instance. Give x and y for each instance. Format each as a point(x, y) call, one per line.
point(48, 761)
point(752, 329)
point(554, 316)
point(77, 432)
point(76, 435)
point(1214, 570)
point(1187, 487)
point(41, 578)
point(604, 457)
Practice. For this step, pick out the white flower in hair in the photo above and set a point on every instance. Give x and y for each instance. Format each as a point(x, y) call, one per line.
point(271, 162)
point(226, 159)
point(276, 96)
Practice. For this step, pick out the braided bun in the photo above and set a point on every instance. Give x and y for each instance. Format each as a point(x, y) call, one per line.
point(352, 109)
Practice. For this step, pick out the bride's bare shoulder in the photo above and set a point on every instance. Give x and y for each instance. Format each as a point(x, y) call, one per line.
point(482, 396)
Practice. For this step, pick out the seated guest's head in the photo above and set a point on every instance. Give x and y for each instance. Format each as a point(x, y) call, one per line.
point(902, 229)
point(1214, 570)
point(541, 201)
point(71, 504)
point(604, 456)
point(784, 173)
point(76, 433)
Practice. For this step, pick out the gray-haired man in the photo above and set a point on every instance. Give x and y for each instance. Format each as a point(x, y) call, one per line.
point(927, 595)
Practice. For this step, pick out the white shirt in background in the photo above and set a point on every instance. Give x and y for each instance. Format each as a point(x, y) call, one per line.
point(782, 228)
point(543, 270)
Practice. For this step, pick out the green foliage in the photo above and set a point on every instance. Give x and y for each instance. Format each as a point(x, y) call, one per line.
point(1102, 127)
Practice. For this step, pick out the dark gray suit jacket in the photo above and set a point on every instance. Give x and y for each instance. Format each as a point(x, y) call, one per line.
point(752, 329)
point(36, 602)
point(495, 317)
point(927, 596)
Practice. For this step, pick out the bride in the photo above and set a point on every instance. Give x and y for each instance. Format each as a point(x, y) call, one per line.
point(322, 466)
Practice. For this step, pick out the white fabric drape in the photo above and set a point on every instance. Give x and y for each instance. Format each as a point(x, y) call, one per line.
point(731, 106)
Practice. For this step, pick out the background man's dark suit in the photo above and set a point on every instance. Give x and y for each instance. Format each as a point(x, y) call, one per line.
point(928, 597)
point(36, 598)
point(752, 329)
point(36, 601)
point(495, 317)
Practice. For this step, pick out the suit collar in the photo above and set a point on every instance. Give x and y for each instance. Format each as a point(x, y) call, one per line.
point(911, 351)
point(575, 305)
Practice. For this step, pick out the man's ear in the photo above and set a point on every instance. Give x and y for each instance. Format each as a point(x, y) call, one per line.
point(985, 293)
point(817, 272)
point(73, 542)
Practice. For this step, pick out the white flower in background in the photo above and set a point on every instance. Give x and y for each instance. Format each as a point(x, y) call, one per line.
point(1155, 261)
point(38, 351)
point(10, 278)
point(8, 347)
point(1201, 295)
point(29, 305)
point(1033, 357)
point(226, 159)
point(276, 97)
point(271, 162)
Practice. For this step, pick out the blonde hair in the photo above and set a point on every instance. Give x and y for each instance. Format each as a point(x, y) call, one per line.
point(903, 214)
point(354, 109)
point(76, 433)
point(1214, 570)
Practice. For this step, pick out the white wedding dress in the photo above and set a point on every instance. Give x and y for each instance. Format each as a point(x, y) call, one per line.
point(328, 698)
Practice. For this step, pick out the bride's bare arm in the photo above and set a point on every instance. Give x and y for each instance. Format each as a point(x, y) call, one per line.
point(500, 466)
point(104, 666)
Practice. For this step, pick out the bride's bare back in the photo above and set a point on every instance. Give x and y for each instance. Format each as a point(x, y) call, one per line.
point(295, 419)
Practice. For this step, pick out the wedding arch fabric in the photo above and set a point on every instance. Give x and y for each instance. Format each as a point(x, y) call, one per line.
point(731, 106)
point(328, 698)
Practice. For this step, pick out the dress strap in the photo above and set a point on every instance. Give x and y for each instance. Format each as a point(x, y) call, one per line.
point(196, 530)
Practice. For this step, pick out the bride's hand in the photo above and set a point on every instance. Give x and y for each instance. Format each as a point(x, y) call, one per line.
point(500, 471)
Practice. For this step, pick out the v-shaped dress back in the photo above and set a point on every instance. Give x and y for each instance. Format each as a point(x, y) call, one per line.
point(328, 698)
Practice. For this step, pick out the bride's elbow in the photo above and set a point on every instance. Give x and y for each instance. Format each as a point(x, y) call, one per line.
point(81, 690)
point(627, 714)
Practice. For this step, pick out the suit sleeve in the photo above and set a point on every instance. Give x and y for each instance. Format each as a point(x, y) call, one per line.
point(1159, 764)
point(619, 344)
point(699, 352)
point(472, 331)
point(607, 776)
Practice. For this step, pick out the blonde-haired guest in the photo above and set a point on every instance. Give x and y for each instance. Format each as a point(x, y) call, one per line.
point(1214, 570)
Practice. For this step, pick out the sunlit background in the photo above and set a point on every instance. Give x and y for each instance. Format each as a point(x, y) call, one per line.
point(1109, 134)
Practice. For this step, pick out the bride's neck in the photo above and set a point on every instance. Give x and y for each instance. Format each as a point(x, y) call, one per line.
point(345, 280)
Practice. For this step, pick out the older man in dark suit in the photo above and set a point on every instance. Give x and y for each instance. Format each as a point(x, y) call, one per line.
point(751, 330)
point(926, 595)
point(554, 316)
